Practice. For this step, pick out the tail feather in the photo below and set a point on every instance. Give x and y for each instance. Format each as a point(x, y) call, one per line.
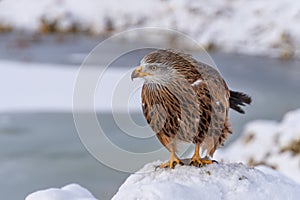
point(238, 99)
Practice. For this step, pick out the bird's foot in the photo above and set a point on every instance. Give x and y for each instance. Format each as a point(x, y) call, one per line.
point(199, 162)
point(171, 163)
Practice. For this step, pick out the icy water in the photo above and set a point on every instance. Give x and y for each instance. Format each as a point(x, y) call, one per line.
point(42, 150)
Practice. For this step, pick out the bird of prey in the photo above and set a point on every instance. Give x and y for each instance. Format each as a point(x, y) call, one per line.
point(184, 100)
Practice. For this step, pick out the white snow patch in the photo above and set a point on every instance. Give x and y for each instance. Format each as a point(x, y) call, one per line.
point(271, 143)
point(251, 27)
point(216, 181)
point(49, 87)
point(197, 82)
point(68, 192)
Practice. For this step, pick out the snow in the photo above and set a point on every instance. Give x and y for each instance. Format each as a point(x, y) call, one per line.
point(264, 144)
point(49, 87)
point(275, 144)
point(68, 192)
point(216, 181)
point(26, 86)
point(251, 27)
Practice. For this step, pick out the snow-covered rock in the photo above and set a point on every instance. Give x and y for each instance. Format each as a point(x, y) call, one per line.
point(271, 143)
point(68, 192)
point(216, 181)
point(256, 27)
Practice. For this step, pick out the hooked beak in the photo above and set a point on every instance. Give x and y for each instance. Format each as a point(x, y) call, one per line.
point(137, 73)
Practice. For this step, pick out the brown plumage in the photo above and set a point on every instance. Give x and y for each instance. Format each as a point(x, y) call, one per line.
point(188, 101)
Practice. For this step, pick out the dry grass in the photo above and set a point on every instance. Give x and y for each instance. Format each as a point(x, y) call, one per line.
point(252, 162)
point(248, 138)
point(5, 28)
point(293, 147)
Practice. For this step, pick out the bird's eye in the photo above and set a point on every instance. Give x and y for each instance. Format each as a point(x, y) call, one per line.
point(153, 67)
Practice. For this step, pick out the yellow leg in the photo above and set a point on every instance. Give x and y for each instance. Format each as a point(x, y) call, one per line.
point(197, 161)
point(174, 160)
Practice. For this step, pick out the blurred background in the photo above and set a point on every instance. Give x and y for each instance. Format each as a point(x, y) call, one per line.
point(256, 46)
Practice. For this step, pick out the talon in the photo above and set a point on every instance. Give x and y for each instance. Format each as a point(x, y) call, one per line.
point(206, 161)
point(196, 162)
point(199, 162)
point(172, 163)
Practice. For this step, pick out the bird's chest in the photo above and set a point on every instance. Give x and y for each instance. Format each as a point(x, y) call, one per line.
point(171, 110)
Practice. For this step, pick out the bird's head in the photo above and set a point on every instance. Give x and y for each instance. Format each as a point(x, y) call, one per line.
point(156, 68)
point(152, 72)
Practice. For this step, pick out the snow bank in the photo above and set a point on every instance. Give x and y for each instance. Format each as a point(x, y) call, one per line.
point(255, 27)
point(68, 192)
point(275, 144)
point(217, 181)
